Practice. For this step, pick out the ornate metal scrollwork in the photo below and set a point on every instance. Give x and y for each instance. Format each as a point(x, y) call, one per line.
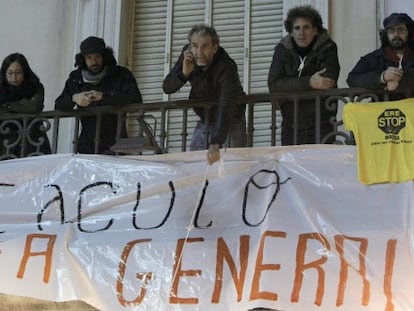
point(24, 137)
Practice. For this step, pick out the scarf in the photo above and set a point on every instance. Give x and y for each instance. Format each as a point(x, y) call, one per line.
point(390, 52)
point(9, 93)
point(94, 79)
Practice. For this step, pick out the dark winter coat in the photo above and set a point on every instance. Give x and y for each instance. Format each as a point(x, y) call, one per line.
point(119, 87)
point(367, 72)
point(219, 83)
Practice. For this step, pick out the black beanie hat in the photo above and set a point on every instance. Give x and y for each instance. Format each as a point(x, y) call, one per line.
point(92, 45)
point(398, 18)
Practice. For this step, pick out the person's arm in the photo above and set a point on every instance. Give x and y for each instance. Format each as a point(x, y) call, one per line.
point(330, 61)
point(65, 101)
point(407, 80)
point(228, 81)
point(366, 74)
point(175, 78)
point(125, 93)
point(29, 105)
point(229, 86)
point(327, 71)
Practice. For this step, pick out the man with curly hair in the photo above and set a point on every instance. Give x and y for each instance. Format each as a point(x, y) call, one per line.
point(305, 59)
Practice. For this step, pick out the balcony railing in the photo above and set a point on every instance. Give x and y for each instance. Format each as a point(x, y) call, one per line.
point(152, 119)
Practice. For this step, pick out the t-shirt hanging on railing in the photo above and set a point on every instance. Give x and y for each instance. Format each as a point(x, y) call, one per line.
point(384, 134)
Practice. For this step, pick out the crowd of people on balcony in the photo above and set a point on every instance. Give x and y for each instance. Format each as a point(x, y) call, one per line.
point(305, 59)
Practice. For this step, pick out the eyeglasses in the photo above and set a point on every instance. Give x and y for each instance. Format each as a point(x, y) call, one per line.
point(13, 73)
point(398, 30)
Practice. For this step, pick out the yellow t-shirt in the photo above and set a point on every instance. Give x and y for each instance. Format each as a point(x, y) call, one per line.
point(384, 134)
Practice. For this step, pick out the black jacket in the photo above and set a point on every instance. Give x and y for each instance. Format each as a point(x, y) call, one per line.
point(367, 72)
point(119, 87)
point(23, 99)
point(285, 76)
point(219, 83)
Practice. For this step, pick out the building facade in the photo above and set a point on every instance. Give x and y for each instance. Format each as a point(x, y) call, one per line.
point(147, 35)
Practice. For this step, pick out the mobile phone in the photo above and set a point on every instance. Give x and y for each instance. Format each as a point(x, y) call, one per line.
point(191, 53)
point(189, 50)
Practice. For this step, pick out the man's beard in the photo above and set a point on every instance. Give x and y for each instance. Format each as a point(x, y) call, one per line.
point(96, 69)
point(397, 44)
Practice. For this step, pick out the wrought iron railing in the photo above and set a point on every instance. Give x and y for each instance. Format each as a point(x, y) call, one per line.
point(155, 138)
point(333, 99)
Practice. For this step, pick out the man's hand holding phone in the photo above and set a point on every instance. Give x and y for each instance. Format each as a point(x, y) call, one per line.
point(188, 62)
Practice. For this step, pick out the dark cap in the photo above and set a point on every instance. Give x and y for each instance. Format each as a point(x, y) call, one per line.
point(92, 45)
point(397, 18)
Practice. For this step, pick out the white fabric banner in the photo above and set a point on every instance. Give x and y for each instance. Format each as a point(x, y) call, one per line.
point(286, 228)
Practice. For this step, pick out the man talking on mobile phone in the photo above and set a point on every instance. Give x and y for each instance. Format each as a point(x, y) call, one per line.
point(213, 77)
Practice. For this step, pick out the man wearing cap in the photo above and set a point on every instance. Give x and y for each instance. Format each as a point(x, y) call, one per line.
point(98, 81)
point(391, 67)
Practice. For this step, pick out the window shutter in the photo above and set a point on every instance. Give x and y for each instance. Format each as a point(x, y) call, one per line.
point(148, 47)
point(266, 29)
point(228, 19)
point(147, 59)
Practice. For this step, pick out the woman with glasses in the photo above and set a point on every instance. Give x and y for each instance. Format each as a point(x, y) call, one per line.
point(21, 92)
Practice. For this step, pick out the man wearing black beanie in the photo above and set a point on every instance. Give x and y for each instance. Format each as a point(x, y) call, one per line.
point(98, 81)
